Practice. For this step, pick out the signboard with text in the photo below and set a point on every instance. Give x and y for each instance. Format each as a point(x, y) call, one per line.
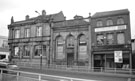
point(118, 57)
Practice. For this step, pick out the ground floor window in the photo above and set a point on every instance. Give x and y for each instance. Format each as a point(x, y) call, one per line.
point(16, 51)
point(26, 51)
point(38, 50)
point(107, 61)
point(59, 52)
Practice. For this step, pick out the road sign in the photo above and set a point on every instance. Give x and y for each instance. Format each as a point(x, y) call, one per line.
point(118, 57)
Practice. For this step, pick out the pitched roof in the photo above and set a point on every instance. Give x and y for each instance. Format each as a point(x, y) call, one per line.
point(110, 13)
point(41, 17)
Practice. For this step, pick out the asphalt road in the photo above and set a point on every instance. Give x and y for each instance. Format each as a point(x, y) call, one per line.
point(87, 76)
point(55, 75)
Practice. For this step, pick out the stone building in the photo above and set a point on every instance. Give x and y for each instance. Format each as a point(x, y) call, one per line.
point(71, 42)
point(29, 40)
point(111, 42)
point(94, 41)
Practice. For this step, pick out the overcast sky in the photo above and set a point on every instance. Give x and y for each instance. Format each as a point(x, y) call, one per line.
point(20, 8)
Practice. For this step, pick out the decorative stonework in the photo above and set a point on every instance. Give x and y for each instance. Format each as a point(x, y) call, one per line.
point(64, 34)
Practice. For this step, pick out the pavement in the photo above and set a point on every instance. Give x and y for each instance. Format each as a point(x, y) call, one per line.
point(96, 76)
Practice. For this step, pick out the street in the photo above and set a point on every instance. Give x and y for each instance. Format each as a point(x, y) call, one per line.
point(30, 74)
point(55, 75)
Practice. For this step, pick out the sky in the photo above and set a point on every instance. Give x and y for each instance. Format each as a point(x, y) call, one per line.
point(20, 8)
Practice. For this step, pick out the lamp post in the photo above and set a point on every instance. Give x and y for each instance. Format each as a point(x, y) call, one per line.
point(41, 51)
point(40, 61)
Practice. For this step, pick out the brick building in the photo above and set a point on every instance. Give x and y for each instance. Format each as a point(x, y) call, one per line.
point(111, 46)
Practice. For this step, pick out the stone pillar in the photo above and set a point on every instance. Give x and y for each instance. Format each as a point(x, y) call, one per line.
point(75, 51)
point(31, 52)
point(89, 48)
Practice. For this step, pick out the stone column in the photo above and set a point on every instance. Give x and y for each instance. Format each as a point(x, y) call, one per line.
point(75, 51)
point(89, 47)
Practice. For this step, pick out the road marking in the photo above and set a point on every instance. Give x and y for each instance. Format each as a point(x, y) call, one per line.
point(69, 78)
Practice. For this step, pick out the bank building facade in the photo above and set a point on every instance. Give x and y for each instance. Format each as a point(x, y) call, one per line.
point(92, 41)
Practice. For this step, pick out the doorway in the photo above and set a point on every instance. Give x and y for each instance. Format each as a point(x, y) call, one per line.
point(99, 61)
point(70, 59)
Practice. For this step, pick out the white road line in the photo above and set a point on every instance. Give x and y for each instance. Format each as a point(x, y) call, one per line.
point(69, 78)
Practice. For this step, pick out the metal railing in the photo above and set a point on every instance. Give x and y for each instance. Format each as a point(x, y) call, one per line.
point(77, 68)
point(14, 75)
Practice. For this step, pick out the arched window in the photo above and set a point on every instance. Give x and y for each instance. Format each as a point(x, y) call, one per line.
point(70, 41)
point(120, 21)
point(99, 23)
point(82, 55)
point(109, 22)
point(60, 48)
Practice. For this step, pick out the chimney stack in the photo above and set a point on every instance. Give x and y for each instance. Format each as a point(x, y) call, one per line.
point(12, 19)
point(43, 12)
point(26, 17)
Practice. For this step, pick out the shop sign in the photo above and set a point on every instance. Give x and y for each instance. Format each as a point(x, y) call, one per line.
point(118, 57)
point(111, 28)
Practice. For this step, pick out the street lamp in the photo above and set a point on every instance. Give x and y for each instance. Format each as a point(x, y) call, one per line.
point(41, 51)
point(40, 60)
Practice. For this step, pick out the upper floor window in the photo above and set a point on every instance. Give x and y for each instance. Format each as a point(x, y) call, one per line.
point(109, 22)
point(120, 21)
point(39, 31)
point(110, 38)
point(99, 23)
point(120, 38)
point(70, 41)
point(17, 33)
point(82, 40)
point(100, 39)
point(60, 41)
point(27, 32)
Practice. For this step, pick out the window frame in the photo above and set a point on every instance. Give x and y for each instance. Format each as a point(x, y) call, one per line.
point(120, 36)
point(109, 39)
point(39, 50)
point(17, 33)
point(99, 23)
point(109, 22)
point(60, 44)
point(39, 32)
point(27, 33)
point(26, 51)
point(120, 21)
point(101, 40)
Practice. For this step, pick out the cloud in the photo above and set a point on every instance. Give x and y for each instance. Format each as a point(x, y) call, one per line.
point(6, 5)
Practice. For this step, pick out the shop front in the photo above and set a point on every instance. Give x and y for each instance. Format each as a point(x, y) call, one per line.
point(108, 60)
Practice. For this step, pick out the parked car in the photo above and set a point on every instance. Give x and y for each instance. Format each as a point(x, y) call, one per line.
point(7, 65)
